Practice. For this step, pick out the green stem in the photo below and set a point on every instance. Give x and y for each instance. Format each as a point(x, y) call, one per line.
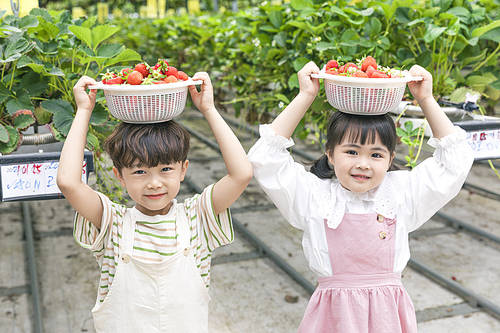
point(493, 168)
point(12, 77)
point(3, 70)
point(487, 58)
point(421, 140)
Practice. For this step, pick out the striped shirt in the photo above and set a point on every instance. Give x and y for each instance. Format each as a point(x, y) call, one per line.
point(155, 236)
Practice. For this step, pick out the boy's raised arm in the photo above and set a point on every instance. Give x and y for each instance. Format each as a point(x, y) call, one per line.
point(239, 169)
point(69, 174)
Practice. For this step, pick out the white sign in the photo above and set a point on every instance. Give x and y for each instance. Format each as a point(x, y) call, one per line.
point(32, 179)
point(485, 143)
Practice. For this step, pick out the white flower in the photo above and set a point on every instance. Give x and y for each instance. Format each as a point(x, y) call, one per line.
point(281, 105)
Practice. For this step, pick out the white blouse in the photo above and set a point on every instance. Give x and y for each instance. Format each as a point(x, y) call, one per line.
point(410, 196)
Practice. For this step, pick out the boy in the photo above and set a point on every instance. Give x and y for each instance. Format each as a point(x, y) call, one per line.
point(154, 257)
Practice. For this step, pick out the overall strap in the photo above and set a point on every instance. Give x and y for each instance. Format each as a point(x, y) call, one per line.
point(128, 232)
point(183, 228)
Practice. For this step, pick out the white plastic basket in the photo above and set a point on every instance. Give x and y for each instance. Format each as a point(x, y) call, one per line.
point(366, 96)
point(146, 103)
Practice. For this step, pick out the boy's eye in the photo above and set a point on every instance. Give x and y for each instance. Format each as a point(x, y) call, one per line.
point(166, 169)
point(139, 172)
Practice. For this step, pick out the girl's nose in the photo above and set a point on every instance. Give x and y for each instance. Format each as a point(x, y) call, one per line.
point(363, 163)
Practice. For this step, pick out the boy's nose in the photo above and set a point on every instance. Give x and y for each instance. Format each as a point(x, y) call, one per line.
point(154, 183)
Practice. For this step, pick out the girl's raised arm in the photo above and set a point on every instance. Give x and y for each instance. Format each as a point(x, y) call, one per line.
point(286, 122)
point(422, 91)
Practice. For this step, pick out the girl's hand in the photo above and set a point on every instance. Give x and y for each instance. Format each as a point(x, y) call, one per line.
point(203, 99)
point(421, 90)
point(83, 100)
point(307, 84)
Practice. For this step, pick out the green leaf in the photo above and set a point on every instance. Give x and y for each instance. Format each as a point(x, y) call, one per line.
point(82, 33)
point(293, 81)
point(99, 115)
point(4, 135)
point(92, 141)
point(20, 102)
point(301, 4)
point(42, 116)
point(478, 32)
point(496, 84)
point(23, 121)
point(63, 114)
point(282, 98)
point(13, 142)
point(124, 56)
point(101, 33)
point(433, 32)
point(493, 35)
point(276, 18)
point(109, 50)
point(299, 63)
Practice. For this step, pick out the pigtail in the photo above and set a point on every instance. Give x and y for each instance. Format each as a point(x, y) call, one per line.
point(321, 168)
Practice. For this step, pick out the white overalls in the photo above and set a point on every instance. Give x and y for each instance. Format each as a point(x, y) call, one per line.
point(169, 296)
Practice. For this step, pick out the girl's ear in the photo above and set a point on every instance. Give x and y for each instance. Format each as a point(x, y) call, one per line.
point(119, 176)
point(184, 169)
point(329, 156)
point(391, 159)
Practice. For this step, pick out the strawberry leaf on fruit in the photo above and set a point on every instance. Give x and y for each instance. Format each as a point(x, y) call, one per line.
point(4, 135)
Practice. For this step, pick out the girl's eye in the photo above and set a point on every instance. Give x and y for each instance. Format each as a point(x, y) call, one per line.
point(377, 155)
point(351, 152)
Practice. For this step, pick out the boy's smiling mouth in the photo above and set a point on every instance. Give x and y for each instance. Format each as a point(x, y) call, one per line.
point(155, 196)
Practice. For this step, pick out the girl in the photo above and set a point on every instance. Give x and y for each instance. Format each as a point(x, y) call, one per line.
point(356, 226)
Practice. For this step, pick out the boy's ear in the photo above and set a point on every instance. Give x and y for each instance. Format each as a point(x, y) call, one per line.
point(118, 176)
point(184, 167)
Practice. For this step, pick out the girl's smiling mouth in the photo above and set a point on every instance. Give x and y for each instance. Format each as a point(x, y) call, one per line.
point(360, 177)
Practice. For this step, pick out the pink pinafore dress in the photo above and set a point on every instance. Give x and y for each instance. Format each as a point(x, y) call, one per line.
point(363, 295)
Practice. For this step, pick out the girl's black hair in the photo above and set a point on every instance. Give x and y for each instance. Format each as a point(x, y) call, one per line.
point(359, 128)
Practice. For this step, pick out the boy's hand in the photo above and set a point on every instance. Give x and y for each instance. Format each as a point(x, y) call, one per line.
point(420, 89)
point(307, 84)
point(203, 99)
point(83, 100)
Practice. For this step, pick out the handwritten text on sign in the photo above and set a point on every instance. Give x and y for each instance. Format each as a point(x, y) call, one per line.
point(32, 179)
point(486, 144)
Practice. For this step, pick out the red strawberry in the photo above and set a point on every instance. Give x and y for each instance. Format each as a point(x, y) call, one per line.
point(124, 72)
point(116, 80)
point(143, 69)
point(368, 61)
point(370, 71)
point(135, 78)
point(348, 68)
point(379, 74)
point(182, 76)
point(331, 71)
point(171, 71)
point(332, 64)
point(360, 74)
point(170, 79)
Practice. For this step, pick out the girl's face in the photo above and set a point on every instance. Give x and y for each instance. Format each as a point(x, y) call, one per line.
point(153, 189)
point(360, 167)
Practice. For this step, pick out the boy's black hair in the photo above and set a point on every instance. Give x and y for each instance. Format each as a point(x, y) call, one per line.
point(147, 144)
point(360, 128)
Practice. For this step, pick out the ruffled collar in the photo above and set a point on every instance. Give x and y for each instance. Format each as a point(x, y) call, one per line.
point(382, 198)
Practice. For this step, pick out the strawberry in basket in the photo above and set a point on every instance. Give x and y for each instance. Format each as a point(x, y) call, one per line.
point(143, 74)
point(366, 67)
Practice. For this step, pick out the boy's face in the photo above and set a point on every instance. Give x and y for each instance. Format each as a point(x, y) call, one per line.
point(360, 167)
point(153, 189)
